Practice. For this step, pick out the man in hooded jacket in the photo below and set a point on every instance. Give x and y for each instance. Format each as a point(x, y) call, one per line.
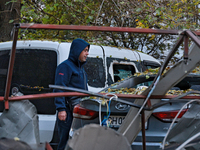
point(70, 73)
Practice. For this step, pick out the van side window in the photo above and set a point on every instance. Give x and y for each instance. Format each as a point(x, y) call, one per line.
point(122, 71)
point(95, 72)
point(34, 70)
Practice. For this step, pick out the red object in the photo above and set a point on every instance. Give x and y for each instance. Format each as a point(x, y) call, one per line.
point(168, 116)
point(69, 94)
point(80, 112)
point(101, 28)
point(48, 146)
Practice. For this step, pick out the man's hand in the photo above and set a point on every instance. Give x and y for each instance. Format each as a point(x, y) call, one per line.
point(62, 115)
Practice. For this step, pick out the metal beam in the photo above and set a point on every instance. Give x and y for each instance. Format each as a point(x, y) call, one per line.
point(11, 66)
point(1, 98)
point(100, 28)
point(131, 125)
point(143, 130)
point(193, 37)
point(69, 94)
point(186, 47)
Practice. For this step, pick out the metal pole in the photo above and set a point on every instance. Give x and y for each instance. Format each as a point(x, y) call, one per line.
point(11, 66)
point(185, 47)
point(129, 97)
point(143, 130)
point(101, 28)
point(194, 38)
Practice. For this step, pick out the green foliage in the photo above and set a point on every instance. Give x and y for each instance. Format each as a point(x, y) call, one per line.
point(165, 14)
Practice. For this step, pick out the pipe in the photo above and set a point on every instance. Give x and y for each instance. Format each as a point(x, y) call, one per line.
point(143, 131)
point(100, 28)
point(11, 66)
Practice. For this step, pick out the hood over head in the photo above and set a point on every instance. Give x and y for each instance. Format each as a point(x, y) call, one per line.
point(77, 46)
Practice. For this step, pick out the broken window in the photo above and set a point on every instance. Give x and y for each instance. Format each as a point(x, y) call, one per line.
point(122, 71)
point(95, 72)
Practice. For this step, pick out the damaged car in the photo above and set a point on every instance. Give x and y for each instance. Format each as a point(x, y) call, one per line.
point(111, 113)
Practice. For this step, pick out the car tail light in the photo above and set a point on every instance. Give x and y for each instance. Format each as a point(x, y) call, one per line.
point(168, 116)
point(83, 113)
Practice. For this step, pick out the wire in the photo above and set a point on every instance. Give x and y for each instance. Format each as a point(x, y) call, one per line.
point(108, 115)
point(105, 119)
point(164, 140)
point(26, 29)
point(147, 98)
point(108, 108)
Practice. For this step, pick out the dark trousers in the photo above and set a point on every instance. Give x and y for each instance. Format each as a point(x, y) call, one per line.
point(63, 129)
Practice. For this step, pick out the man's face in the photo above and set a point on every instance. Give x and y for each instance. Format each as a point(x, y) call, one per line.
point(84, 54)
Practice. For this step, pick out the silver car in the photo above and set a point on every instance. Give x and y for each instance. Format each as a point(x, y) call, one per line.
point(113, 113)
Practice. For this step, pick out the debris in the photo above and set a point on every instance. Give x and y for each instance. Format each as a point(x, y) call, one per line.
point(95, 137)
point(20, 121)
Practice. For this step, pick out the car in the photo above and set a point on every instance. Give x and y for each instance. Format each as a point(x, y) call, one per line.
point(112, 113)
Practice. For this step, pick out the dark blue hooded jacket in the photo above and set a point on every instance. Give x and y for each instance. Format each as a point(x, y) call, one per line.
point(71, 73)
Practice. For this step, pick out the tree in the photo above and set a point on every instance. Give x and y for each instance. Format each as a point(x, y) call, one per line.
point(9, 14)
point(159, 14)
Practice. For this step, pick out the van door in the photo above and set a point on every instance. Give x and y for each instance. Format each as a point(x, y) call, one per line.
point(96, 68)
point(34, 70)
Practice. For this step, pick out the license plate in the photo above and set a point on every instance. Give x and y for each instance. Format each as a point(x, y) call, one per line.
point(116, 121)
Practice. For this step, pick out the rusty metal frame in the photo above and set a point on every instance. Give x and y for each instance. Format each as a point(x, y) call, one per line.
point(6, 98)
point(69, 94)
point(11, 66)
point(184, 35)
point(133, 124)
point(101, 28)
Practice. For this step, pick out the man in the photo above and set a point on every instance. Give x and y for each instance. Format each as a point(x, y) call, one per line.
point(70, 73)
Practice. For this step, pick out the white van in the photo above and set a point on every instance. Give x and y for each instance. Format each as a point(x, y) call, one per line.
point(36, 62)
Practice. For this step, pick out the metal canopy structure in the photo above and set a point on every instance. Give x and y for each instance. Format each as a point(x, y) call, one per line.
point(162, 83)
